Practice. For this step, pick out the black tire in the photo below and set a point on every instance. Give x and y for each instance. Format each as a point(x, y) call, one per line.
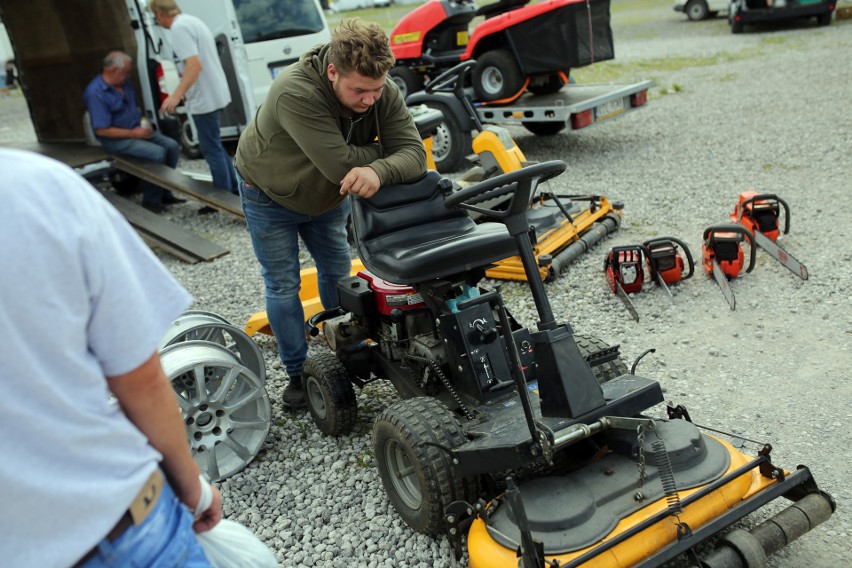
point(553, 83)
point(188, 143)
point(329, 394)
point(697, 10)
point(450, 142)
point(496, 76)
point(407, 79)
point(607, 371)
point(736, 27)
point(824, 19)
point(419, 477)
point(544, 128)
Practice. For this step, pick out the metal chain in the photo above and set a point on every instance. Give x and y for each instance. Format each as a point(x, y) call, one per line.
point(444, 380)
point(640, 439)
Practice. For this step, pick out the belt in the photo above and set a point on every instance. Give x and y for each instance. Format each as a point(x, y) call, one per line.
point(136, 513)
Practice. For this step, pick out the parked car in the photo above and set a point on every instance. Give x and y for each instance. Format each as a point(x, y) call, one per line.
point(701, 9)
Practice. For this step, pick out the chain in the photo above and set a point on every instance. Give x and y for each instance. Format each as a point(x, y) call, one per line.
point(436, 369)
point(640, 439)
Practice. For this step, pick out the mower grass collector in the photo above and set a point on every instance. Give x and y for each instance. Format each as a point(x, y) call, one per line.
point(534, 443)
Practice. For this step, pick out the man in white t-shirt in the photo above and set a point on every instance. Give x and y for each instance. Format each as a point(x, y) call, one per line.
point(203, 83)
point(86, 478)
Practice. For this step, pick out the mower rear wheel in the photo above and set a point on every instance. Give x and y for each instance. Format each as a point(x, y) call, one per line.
point(607, 371)
point(407, 79)
point(409, 440)
point(329, 394)
point(544, 128)
point(450, 142)
point(497, 76)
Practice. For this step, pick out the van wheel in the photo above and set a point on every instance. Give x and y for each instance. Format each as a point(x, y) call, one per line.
point(736, 27)
point(824, 19)
point(497, 76)
point(696, 10)
point(188, 143)
point(544, 128)
point(450, 143)
point(407, 79)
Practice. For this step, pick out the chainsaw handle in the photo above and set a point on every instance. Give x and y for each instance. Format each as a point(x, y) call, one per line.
point(647, 244)
point(612, 257)
point(768, 197)
point(739, 229)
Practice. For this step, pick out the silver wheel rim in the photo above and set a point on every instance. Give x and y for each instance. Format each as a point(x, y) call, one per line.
point(441, 142)
point(204, 326)
point(403, 475)
point(696, 10)
point(316, 398)
point(399, 82)
point(492, 81)
point(224, 405)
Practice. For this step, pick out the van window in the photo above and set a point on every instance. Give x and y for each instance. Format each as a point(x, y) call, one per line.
point(262, 20)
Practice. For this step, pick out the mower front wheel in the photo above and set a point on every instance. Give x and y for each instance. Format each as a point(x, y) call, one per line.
point(604, 372)
point(450, 142)
point(410, 440)
point(329, 395)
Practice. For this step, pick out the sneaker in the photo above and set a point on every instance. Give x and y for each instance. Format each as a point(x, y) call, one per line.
point(154, 207)
point(170, 199)
point(294, 394)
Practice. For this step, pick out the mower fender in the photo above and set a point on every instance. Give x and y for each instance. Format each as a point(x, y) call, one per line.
point(449, 100)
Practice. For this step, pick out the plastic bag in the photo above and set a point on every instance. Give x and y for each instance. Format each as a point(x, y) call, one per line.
point(231, 545)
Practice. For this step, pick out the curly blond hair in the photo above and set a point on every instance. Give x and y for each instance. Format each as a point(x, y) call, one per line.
point(360, 46)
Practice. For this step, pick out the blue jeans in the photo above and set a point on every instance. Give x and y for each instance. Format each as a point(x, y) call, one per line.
point(164, 539)
point(159, 148)
point(208, 127)
point(275, 232)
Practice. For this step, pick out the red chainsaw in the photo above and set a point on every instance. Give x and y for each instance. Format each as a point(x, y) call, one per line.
point(624, 273)
point(760, 214)
point(665, 263)
point(724, 257)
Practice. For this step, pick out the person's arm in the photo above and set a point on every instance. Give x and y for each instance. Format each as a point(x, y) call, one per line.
point(404, 157)
point(116, 132)
point(148, 401)
point(190, 76)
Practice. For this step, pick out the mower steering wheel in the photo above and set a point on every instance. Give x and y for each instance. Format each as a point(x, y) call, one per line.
point(519, 183)
point(449, 80)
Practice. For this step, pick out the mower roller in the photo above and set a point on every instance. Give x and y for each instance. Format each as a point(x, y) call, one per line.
point(760, 214)
point(535, 443)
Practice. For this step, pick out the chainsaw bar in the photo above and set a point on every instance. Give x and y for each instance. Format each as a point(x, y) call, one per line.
point(625, 299)
point(724, 285)
point(781, 255)
point(663, 285)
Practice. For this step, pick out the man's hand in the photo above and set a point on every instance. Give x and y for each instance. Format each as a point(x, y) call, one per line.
point(141, 133)
point(170, 104)
point(361, 181)
point(211, 517)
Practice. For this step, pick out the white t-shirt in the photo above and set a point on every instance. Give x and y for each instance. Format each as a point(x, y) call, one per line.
point(81, 298)
point(190, 36)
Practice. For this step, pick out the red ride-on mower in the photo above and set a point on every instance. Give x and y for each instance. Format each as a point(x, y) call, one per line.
point(517, 47)
point(533, 442)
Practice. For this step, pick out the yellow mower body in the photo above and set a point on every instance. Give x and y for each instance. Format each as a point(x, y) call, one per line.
point(485, 552)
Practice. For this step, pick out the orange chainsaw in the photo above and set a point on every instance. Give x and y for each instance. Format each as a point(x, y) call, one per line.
point(665, 263)
point(724, 257)
point(760, 214)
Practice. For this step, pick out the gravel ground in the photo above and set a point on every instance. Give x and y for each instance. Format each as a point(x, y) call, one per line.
point(761, 111)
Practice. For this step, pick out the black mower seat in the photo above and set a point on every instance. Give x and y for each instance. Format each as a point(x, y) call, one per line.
point(405, 235)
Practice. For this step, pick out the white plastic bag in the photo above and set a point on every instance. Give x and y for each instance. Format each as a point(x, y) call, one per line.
point(231, 545)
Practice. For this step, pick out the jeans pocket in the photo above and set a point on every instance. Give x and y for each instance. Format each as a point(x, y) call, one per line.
point(253, 196)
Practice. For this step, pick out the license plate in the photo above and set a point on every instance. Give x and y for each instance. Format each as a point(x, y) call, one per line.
point(608, 109)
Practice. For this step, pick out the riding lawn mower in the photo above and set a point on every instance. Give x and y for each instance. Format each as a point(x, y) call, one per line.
point(534, 444)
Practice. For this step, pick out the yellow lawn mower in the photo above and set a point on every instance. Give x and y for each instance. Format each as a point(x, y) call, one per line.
point(534, 444)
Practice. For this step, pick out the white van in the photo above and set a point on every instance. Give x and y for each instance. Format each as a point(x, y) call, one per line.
point(256, 40)
point(702, 9)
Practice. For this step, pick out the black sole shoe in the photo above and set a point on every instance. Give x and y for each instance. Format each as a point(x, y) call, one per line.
point(169, 199)
point(154, 207)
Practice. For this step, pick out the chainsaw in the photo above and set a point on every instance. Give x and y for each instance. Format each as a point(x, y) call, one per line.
point(724, 257)
point(665, 263)
point(760, 213)
point(624, 273)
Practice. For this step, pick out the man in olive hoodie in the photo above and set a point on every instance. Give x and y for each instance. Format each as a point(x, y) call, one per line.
point(332, 125)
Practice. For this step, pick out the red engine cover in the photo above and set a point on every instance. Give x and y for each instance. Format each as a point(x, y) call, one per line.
point(391, 296)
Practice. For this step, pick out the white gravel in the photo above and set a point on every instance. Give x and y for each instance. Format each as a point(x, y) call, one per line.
point(765, 110)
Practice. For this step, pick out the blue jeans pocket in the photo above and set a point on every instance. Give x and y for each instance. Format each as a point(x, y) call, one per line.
point(254, 196)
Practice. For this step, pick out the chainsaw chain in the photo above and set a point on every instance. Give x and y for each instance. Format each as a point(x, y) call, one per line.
point(444, 380)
